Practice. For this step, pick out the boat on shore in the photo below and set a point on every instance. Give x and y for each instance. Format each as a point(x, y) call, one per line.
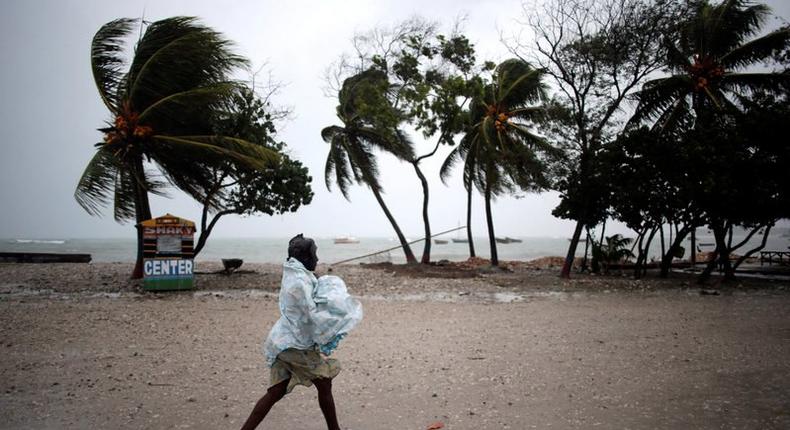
point(344, 240)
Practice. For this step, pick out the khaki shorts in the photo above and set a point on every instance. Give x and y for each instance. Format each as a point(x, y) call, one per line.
point(301, 367)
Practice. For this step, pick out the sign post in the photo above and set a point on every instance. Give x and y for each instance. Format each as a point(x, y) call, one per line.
point(168, 262)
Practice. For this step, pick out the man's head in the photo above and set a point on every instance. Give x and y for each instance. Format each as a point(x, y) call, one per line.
point(303, 249)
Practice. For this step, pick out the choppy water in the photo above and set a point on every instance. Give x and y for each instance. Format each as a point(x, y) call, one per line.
point(273, 250)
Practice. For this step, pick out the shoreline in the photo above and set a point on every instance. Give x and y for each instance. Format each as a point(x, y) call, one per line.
point(457, 281)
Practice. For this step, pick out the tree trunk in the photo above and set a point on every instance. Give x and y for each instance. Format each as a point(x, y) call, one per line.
point(142, 210)
point(666, 259)
point(586, 248)
point(491, 237)
point(758, 248)
point(426, 250)
point(693, 247)
point(646, 253)
point(406, 248)
point(724, 253)
point(566, 268)
point(469, 221)
point(705, 275)
point(205, 230)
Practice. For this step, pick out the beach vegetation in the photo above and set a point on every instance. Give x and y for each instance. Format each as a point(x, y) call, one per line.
point(597, 54)
point(283, 186)
point(431, 76)
point(723, 80)
point(369, 123)
point(501, 151)
point(162, 97)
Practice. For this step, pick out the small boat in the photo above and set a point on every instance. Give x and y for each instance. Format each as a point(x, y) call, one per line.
point(440, 241)
point(460, 241)
point(345, 240)
point(507, 240)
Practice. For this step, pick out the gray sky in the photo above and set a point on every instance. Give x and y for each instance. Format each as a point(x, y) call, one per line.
point(50, 111)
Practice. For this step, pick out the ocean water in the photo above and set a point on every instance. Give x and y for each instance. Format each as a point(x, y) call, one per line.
point(274, 250)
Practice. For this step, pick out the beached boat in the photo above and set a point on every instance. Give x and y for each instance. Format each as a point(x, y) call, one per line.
point(345, 240)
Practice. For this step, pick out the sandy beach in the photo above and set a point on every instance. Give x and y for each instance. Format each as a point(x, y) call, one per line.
point(84, 347)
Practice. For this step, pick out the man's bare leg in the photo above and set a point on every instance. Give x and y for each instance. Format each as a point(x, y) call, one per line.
point(327, 402)
point(264, 405)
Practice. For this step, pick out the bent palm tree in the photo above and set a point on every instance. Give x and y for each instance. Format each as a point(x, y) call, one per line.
point(163, 108)
point(351, 146)
point(499, 151)
point(709, 58)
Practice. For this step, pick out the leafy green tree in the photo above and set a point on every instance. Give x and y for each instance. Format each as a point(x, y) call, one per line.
point(432, 76)
point(369, 123)
point(746, 179)
point(500, 151)
point(598, 54)
point(162, 110)
point(653, 181)
point(283, 186)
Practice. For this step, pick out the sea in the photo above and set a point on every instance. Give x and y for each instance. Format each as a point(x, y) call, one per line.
point(273, 250)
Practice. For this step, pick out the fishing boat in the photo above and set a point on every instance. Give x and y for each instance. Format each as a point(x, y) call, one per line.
point(343, 240)
point(457, 238)
point(507, 240)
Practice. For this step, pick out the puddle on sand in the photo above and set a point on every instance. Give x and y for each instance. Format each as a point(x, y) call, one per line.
point(15, 291)
point(235, 294)
point(476, 297)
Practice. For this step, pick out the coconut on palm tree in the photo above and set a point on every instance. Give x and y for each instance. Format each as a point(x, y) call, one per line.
point(163, 102)
point(369, 124)
point(500, 151)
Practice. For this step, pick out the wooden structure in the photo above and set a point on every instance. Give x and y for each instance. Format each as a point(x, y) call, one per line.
point(780, 257)
point(168, 253)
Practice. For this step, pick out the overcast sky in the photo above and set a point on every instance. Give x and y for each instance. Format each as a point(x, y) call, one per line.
point(50, 111)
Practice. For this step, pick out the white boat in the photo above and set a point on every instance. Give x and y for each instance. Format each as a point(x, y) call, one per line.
point(345, 240)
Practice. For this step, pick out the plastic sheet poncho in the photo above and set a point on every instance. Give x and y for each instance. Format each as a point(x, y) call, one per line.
point(314, 313)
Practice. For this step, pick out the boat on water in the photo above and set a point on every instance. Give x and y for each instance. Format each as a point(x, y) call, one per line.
point(460, 240)
point(508, 240)
point(342, 240)
point(440, 241)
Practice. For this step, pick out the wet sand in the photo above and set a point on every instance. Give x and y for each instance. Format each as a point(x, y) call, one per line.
point(517, 350)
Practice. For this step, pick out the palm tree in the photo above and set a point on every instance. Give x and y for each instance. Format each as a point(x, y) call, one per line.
point(162, 110)
point(500, 152)
point(351, 158)
point(710, 58)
